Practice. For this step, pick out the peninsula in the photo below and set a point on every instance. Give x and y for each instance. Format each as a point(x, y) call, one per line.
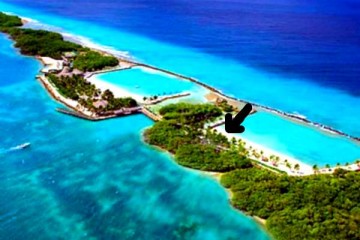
point(295, 207)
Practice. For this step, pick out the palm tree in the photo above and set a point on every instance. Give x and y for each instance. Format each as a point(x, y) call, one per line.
point(338, 164)
point(144, 98)
point(315, 168)
point(297, 167)
point(327, 165)
point(288, 165)
point(275, 160)
point(233, 140)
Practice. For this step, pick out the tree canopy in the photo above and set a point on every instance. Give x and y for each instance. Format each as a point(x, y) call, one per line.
point(297, 208)
point(312, 207)
point(41, 42)
point(91, 61)
point(9, 21)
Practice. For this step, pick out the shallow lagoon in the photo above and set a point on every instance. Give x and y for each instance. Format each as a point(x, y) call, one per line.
point(307, 144)
point(148, 83)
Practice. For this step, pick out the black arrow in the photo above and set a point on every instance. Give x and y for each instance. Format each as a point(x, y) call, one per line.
point(232, 125)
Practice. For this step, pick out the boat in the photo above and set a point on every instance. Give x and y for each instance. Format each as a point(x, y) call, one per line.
point(21, 146)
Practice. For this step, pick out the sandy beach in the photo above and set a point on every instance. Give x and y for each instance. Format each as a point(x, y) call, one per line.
point(118, 91)
point(66, 101)
point(304, 169)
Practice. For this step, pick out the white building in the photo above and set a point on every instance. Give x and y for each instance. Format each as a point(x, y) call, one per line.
point(51, 65)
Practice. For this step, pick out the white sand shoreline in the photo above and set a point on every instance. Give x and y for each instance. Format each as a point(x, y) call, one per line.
point(305, 169)
point(117, 91)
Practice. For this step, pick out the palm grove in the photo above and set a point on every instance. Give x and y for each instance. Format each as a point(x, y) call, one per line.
point(50, 44)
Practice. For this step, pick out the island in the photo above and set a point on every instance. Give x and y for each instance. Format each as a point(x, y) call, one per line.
point(290, 205)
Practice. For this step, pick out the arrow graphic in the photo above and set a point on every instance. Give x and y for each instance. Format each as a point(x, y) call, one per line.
point(232, 125)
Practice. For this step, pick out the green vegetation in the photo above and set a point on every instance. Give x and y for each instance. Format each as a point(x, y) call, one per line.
point(40, 42)
point(77, 88)
point(117, 103)
point(92, 61)
point(297, 208)
point(7, 21)
point(181, 134)
point(50, 44)
point(190, 114)
point(313, 207)
point(73, 87)
point(225, 106)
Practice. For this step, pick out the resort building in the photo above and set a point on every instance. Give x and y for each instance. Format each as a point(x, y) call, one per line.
point(52, 65)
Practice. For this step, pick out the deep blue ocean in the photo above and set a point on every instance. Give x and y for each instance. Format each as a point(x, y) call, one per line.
point(315, 40)
point(82, 180)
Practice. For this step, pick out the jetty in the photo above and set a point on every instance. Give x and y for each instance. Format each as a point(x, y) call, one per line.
point(147, 112)
point(103, 115)
point(173, 96)
point(75, 114)
point(114, 69)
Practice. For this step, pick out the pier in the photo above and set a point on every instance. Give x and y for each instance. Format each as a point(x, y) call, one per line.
point(173, 96)
point(147, 112)
point(102, 116)
point(75, 114)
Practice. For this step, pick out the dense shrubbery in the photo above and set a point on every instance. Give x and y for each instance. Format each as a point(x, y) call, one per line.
point(181, 134)
point(208, 158)
point(225, 106)
point(91, 61)
point(190, 113)
point(9, 21)
point(73, 87)
point(41, 42)
point(313, 207)
point(297, 208)
point(117, 103)
point(50, 44)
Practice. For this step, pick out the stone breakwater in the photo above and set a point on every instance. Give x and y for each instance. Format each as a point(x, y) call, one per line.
point(258, 106)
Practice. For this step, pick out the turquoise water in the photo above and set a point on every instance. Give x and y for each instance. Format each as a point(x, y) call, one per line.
point(305, 143)
point(315, 101)
point(149, 83)
point(308, 98)
point(87, 180)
